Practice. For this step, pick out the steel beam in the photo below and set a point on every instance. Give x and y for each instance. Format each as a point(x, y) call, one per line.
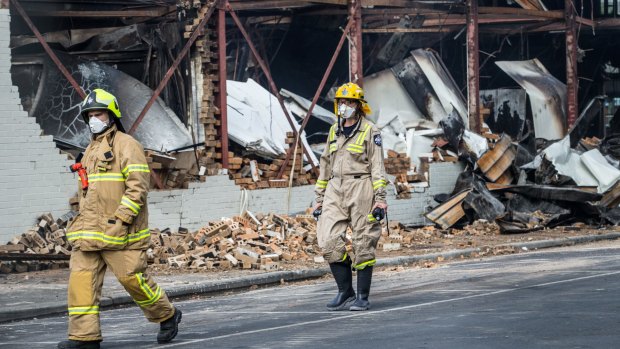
point(198, 31)
point(267, 73)
point(47, 49)
point(356, 71)
point(572, 82)
point(221, 101)
point(473, 65)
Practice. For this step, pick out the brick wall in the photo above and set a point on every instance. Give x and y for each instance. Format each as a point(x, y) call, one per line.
point(34, 176)
point(220, 197)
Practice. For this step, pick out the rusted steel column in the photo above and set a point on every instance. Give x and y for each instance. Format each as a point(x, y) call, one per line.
point(356, 71)
point(221, 101)
point(572, 82)
point(49, 51)
point(198, 31)
point(265, 70)
point(473, 66)
point(330, 66)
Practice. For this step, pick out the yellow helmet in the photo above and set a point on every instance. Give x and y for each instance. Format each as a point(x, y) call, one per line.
point(100, 99)
point(351, 90)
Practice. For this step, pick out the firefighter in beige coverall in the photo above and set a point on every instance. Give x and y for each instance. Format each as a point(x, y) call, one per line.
point(111, 229)
point(351, 185)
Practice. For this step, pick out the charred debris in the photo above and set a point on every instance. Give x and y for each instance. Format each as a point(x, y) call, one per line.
point(525, 93)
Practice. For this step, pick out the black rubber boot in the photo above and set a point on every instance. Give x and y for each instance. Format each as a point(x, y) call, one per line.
point(344, 280)
point(72, 344)
point(364, 278)
point(169, 328)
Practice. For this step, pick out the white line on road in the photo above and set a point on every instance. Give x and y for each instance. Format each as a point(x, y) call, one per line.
point(382, 311)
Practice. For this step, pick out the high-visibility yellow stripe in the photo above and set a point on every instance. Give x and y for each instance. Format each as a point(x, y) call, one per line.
point(142, 234)
point(94, 309)
point(354, 149)
point(371, 218)
point(361, 266)
point(379, 184)
point(152, 296)
point(332, 132)
point(132, 205)
point(95, 235)
point(321, 184)
point(147, 290)
point(152, 300)
point(362, 136)
point(135, 168)
point(106, 177)
point(344, 258)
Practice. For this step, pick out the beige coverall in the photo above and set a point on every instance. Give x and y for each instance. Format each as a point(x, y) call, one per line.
point(351, 180)
point(112, 231)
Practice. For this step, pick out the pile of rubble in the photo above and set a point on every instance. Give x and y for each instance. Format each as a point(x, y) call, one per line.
point(248, 241)
point(522, 187)
point(45, 238)
point(399, 165)
point(179, 169)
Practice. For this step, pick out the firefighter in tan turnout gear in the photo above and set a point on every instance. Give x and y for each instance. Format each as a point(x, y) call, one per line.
point(350, 188)
point(111, 229)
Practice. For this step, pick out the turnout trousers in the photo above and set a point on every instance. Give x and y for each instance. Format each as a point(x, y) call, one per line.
point(347, 202)
point(86, 281)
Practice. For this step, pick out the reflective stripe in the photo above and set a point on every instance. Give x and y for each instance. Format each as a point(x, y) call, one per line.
point(333, 148)
point(132, 205)
point(362, 136)
point(379, 184)
point(106, 177)
point(93, 309)
point(94, 235)
point(142, 234)
point(321, 184)
point(344, 258)
point(361, 266)
point(332, 132)
point(152, 297)
point(135, 168)
point(355, 148)
point(371, 218)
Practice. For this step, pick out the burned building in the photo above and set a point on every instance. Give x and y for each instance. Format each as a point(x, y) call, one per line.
point(244, 89)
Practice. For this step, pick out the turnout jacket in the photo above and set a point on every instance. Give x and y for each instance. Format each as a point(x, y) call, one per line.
point(358, 156)
point(113, 211)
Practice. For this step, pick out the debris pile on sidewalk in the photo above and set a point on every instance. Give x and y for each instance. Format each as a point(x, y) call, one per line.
point(250, 241)
point(45, 238)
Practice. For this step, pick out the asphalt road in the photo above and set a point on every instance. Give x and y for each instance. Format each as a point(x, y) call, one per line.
point(560, 298)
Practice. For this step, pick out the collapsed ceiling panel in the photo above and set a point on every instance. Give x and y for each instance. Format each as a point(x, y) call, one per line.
point(57, 106)
point(547, 96)
point(256, 121)
point(506, 108)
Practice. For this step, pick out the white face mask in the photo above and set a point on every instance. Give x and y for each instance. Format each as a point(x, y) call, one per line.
point(96, 125)
point(345, 111)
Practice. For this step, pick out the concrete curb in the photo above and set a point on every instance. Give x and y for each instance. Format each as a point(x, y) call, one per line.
point(295, 275)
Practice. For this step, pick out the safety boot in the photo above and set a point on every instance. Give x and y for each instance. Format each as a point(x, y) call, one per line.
point(73, 344)
point(344, 279)
point(364, 277)
point(168, 329)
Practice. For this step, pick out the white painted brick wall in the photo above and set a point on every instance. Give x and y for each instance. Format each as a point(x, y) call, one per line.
point(219, 197)
point(34, 176)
